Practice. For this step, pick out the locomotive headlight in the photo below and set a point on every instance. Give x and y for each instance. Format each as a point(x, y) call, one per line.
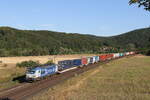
point(34, 76)
point(30, 76)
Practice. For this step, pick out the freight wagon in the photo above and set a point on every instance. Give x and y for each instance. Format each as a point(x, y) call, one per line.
point(116, 55)
point(109, 56)
point(88, 60)
point(103, 57)
point(62, 65)
point(92, 60)
point(67, 65)
point(77, 62)
point(84, 61)
point(97, 59)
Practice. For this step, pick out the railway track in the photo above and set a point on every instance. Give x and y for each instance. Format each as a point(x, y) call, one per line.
point(26, 90)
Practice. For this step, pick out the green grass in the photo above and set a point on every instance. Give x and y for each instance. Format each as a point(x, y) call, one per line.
point(123, 79)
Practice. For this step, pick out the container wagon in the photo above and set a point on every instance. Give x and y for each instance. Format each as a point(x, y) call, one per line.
point(66, 65)
point(92, 60)
point(97, 59)
point(77, 62)
point(103, 57)
point(88, 60)
point(84, 61)
point(62, 65)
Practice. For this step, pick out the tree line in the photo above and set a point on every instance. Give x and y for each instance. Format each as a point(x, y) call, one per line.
point(14, 42)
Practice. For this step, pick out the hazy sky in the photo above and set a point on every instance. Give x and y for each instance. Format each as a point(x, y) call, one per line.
point(97, 17)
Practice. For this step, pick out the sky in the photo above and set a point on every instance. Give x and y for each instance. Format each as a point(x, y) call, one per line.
point(96, 17)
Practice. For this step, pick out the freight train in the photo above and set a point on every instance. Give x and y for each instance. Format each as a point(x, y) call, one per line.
point(41, 72)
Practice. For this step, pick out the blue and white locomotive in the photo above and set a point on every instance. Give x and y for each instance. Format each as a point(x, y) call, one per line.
point(38, 73)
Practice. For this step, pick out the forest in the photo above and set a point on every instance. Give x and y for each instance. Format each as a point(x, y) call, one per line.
point(15, 42)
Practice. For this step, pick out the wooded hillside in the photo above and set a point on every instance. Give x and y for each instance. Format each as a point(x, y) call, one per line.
point(14, 42)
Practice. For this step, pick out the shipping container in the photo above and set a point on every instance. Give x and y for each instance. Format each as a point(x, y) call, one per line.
point(115, 55)
point(96, 58)
point(88, 60)
point(62, 65)
point(124, 54)
point(84, 61)
point(112, 55)
point(92, 60)
point(77, 62)
point(103, 57)
point(131, 53)
point(109, 56)
point(120, 54)
point(127, 53)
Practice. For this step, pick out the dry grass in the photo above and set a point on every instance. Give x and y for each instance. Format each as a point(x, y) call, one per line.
point(41, 59)
point(123, 79)
point(7, 74)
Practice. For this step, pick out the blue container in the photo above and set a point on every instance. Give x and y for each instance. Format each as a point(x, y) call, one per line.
point(77, 62)
point(62, 65)
point(91, 60)
point(96, 58)
point(120, 54)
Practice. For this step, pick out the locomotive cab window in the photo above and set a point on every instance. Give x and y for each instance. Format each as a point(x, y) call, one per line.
point(43, 72)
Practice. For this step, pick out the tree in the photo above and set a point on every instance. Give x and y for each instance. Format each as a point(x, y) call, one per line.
point(145, 3)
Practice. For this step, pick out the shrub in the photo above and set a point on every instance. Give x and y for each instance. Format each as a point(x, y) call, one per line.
point(50, 62)
point(33, 63)
point(145, 52)
point(148, 53)
point(28, 64)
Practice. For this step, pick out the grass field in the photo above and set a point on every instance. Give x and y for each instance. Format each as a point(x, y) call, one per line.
point(8, 73)
point(123, 79)
point(41, 59)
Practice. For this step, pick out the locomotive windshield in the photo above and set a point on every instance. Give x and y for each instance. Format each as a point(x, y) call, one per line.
point(31, 71)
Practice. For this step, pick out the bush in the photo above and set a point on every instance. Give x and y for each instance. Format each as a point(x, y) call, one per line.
point(148, 53)
point(28, 64)
point(50, 62)
point(33, 63)
point(145, 52)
